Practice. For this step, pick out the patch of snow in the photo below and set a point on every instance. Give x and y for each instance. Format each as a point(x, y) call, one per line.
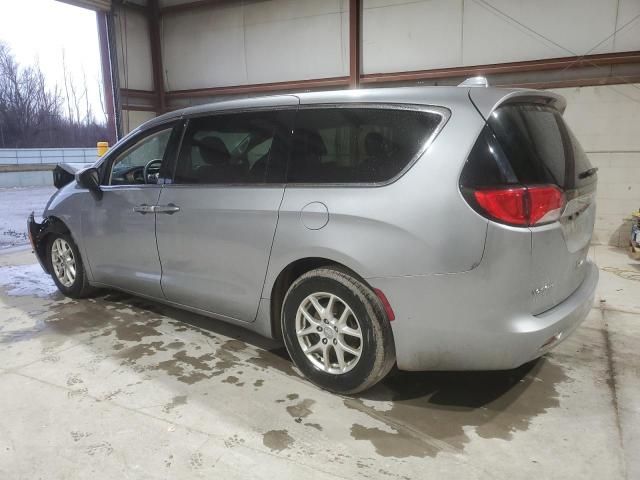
point(26, 280)
point(16, 204)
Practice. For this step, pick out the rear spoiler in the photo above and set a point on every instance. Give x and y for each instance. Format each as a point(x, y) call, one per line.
point(486, 100)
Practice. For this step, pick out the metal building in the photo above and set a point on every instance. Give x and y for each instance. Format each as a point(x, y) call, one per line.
point(159, 55)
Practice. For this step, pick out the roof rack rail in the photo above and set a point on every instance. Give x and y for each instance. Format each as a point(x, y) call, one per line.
point(475, 82)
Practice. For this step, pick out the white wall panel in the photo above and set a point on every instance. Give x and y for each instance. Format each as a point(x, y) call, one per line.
point(255, 42)
point(204, 48)
point(417, 35)
point(628, 38)
point(576, 25)
point(133, 50)
point(606, 120)
point(287, 40)
point(402, 35)
point(132, 119)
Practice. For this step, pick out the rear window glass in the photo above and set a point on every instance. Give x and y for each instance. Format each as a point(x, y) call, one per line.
point(235, 148)
point(526, 144)
point(357, 145)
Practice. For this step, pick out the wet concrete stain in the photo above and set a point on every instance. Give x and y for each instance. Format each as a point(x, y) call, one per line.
point(277, 359)
point(430, 410)
point(234, 345)
point(317, 426)
point(135, 332)
point(187, 368)
point(423, 414)
point(277, 440)
point(176, 402)
point(301, 409)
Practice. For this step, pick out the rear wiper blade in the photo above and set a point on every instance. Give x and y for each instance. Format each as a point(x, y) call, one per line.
point(588, 173)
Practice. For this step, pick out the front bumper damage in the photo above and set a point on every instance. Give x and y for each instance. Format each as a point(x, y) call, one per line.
point(38, 238)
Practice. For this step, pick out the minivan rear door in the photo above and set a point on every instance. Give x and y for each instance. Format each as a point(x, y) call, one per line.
point(216, 220)
point(541, 150)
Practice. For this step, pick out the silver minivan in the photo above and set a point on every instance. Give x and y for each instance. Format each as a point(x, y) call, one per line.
point(430, 228)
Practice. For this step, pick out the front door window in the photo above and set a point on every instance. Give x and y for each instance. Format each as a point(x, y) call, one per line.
point(140, 164)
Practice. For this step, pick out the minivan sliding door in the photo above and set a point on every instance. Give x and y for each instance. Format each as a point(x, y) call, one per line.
point(215, 238)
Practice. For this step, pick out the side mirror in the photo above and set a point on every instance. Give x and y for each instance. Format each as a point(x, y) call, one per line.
point(89, 178)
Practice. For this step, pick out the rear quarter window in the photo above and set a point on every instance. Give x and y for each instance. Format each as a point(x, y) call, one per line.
point(357, 145)
point(526, 144)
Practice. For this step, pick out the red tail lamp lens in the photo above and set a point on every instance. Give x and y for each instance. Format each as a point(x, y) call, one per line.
point(522, 206)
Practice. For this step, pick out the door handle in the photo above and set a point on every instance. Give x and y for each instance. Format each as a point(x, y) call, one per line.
point(144, 209)
point(169, 209)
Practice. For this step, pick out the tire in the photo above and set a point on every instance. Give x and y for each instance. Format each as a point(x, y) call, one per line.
point(78, 287)
point(375, 348)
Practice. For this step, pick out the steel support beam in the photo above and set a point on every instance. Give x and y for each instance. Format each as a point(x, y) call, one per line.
point(261, 88)
point(107, 75)
point(563, 63)
point(186, 7)
point(153, 18)
point(355, 42)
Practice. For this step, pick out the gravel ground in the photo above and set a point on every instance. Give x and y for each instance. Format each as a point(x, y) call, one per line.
point(15, 206)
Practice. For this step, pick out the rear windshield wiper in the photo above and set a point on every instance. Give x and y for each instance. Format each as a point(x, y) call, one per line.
point(588, 173)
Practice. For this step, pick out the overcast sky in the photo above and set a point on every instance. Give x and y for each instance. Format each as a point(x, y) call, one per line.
point(39, 30)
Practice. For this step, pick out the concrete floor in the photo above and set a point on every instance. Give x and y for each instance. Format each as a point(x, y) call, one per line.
point(117, 387)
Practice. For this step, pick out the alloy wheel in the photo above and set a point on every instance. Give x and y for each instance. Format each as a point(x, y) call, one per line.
point(329, 333)
point(63, 262)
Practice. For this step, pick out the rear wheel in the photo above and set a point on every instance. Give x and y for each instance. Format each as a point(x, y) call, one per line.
point(336, 331)
point(66, 267)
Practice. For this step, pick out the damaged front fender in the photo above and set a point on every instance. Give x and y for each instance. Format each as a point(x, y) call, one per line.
point(38, 233)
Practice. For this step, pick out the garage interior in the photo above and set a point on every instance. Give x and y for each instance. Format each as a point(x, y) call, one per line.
point(168, 54)
point(121, 387)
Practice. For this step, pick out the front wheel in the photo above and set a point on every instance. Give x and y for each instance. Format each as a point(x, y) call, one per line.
point(336, 331)
point(66, 267)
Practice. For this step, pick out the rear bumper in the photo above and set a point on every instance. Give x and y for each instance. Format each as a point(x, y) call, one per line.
point(457, 322)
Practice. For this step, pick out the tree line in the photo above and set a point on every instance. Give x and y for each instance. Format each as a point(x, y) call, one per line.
point(34, 114)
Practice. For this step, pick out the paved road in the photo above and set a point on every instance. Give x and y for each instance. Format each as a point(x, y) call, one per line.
point(15, 206)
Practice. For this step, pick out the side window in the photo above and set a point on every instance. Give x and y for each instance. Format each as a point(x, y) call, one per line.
point(357, 145)
point(129, 166)
point(235, 148)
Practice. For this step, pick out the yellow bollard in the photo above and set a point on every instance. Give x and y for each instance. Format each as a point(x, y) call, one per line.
point(102, 148)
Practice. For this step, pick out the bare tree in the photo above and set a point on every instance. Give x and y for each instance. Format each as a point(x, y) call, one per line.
point(32, 113)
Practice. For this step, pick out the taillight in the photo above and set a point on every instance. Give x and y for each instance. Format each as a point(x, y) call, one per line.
point(521, 206)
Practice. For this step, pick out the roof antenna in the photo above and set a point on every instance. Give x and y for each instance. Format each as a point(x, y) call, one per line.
point(475, 82)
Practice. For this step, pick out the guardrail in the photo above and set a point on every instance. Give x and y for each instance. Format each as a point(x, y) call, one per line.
point(47, 156)
point(26, 167)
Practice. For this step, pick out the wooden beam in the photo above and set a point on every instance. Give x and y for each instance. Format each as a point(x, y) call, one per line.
point(355, 42)
point(260, 88)
point(189, 6)
point(131, 6)
point(133, 93)
point(138, 108)
point(576, 82)
point(605, 59)
point(153, 18)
